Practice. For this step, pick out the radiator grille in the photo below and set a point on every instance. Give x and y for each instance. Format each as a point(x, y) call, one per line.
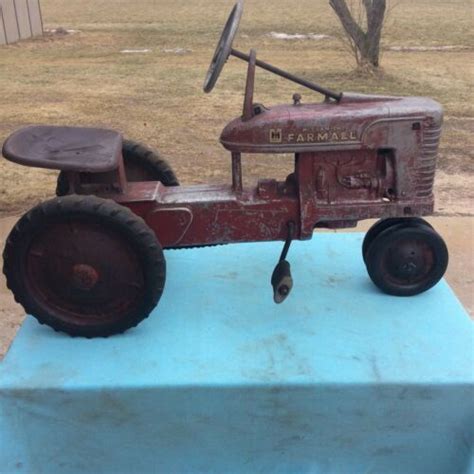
point(426, 164)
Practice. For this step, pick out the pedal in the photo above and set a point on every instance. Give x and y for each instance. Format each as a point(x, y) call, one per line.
point(282, 281)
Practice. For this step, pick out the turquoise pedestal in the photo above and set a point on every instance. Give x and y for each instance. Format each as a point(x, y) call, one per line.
point(341, 378)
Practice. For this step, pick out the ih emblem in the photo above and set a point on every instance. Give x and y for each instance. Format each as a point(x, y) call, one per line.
point(276, 135)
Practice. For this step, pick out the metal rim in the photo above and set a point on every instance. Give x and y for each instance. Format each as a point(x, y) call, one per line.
point(84, 273)
point(407, 262)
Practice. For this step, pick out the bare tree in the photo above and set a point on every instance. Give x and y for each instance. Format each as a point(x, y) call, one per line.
point(363, 22)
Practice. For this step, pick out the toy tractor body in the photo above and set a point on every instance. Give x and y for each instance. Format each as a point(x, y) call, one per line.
point(90, 263)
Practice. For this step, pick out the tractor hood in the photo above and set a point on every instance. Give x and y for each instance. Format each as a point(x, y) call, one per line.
point(312, 127)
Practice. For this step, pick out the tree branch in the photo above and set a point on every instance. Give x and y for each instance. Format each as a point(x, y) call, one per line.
point(366, 44)
point(348, 22)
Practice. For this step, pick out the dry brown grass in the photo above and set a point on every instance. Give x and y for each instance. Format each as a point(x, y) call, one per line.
point(157, 97)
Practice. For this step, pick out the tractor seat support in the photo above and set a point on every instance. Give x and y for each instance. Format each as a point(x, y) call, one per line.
point(92, 150)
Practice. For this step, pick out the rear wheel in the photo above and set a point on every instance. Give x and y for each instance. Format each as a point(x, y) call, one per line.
point(85, 266)
point(383, 224)
point(144, 164)
point(405, 260)
point(141, 164)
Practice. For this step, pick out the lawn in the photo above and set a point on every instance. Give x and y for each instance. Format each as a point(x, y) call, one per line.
point(156, 97)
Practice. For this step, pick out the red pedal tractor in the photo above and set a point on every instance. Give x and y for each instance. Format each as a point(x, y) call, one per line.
point(90, 261)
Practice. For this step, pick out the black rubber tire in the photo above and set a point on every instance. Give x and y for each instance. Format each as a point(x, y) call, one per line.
point(399, 246)
point(141, 164)
point(108, 220)
point(383, 224)
point(149, 163)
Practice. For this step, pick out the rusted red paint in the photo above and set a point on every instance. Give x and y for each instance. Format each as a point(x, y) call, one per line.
point(363, 157)
point(207, 215)
point(355, 122)
point(385, 168)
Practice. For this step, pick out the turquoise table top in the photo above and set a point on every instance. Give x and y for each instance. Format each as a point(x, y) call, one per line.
point(231, 357)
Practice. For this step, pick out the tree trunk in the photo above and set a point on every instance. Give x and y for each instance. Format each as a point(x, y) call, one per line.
point(366, 44)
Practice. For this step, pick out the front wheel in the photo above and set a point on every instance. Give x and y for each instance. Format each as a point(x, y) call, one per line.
point(405, 260)
point(383, 224)
point(85, 266)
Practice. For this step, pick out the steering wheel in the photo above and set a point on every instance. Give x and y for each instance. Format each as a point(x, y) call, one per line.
point(224, 47)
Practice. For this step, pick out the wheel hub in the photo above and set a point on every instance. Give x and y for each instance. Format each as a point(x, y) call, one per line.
point(409, 268)
point(84, 277)
point(409, 261)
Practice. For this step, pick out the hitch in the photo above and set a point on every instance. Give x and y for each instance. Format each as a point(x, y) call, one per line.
point(282, 281)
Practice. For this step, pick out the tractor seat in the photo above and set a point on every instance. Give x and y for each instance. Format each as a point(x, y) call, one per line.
point(92, 150)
